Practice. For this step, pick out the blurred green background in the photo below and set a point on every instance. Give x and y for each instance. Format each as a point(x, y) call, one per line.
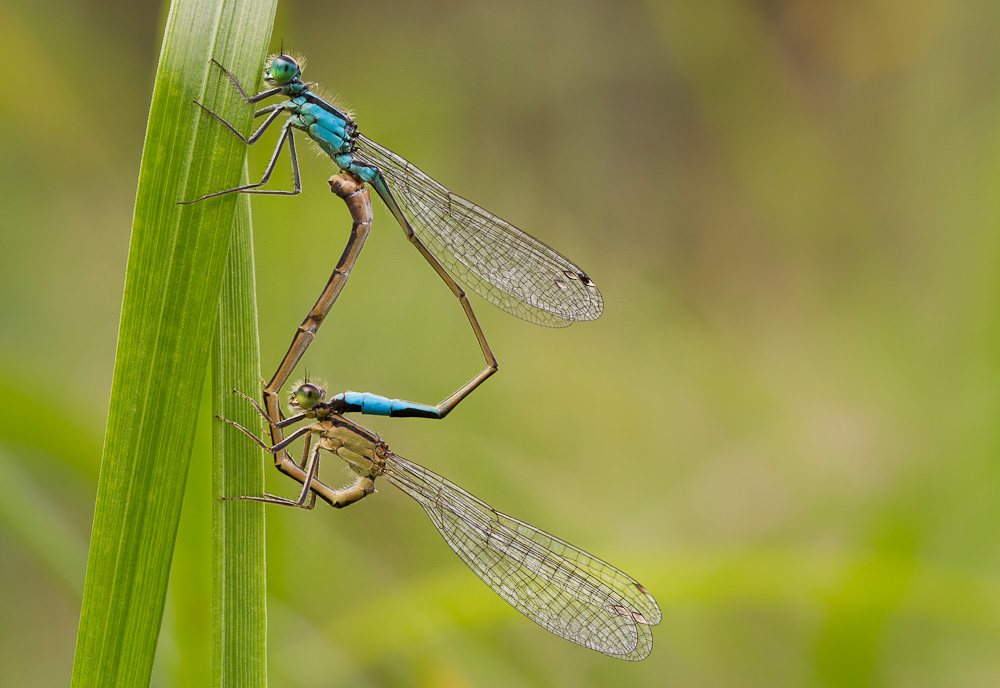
point(782, 425)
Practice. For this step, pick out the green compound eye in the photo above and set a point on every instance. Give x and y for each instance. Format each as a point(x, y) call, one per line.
point(284, 69)
point(308, 395)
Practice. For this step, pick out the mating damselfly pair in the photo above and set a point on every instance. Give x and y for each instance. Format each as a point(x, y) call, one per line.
point(562, 588)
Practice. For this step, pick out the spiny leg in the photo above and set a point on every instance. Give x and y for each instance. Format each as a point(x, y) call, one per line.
point(310, 461)
point(283, 423)
point(250, 99)
point(274, 449)
point(283, 460)
point(286, 134)
point(305, 475)
point(275, 111)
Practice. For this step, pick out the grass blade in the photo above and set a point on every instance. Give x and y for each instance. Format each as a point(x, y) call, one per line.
point(239, 617)
point(177, 259)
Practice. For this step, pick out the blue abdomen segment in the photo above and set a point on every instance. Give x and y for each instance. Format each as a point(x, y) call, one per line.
point(334, 131)
point(378, 405)
point(325, 124)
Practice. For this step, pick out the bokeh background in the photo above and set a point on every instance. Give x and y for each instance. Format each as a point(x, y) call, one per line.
point(783, 425)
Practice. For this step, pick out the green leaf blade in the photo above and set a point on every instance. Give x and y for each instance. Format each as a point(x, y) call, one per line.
point(177, 259)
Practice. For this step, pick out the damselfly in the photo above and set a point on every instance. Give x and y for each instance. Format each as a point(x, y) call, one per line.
point(560, 587)
point(501, 263)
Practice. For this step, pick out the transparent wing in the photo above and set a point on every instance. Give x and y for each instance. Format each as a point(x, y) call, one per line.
point(504, 265)
point(558, 586)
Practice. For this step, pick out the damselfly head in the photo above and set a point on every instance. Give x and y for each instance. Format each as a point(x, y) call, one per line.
point(282, 69)
point(306, 396)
